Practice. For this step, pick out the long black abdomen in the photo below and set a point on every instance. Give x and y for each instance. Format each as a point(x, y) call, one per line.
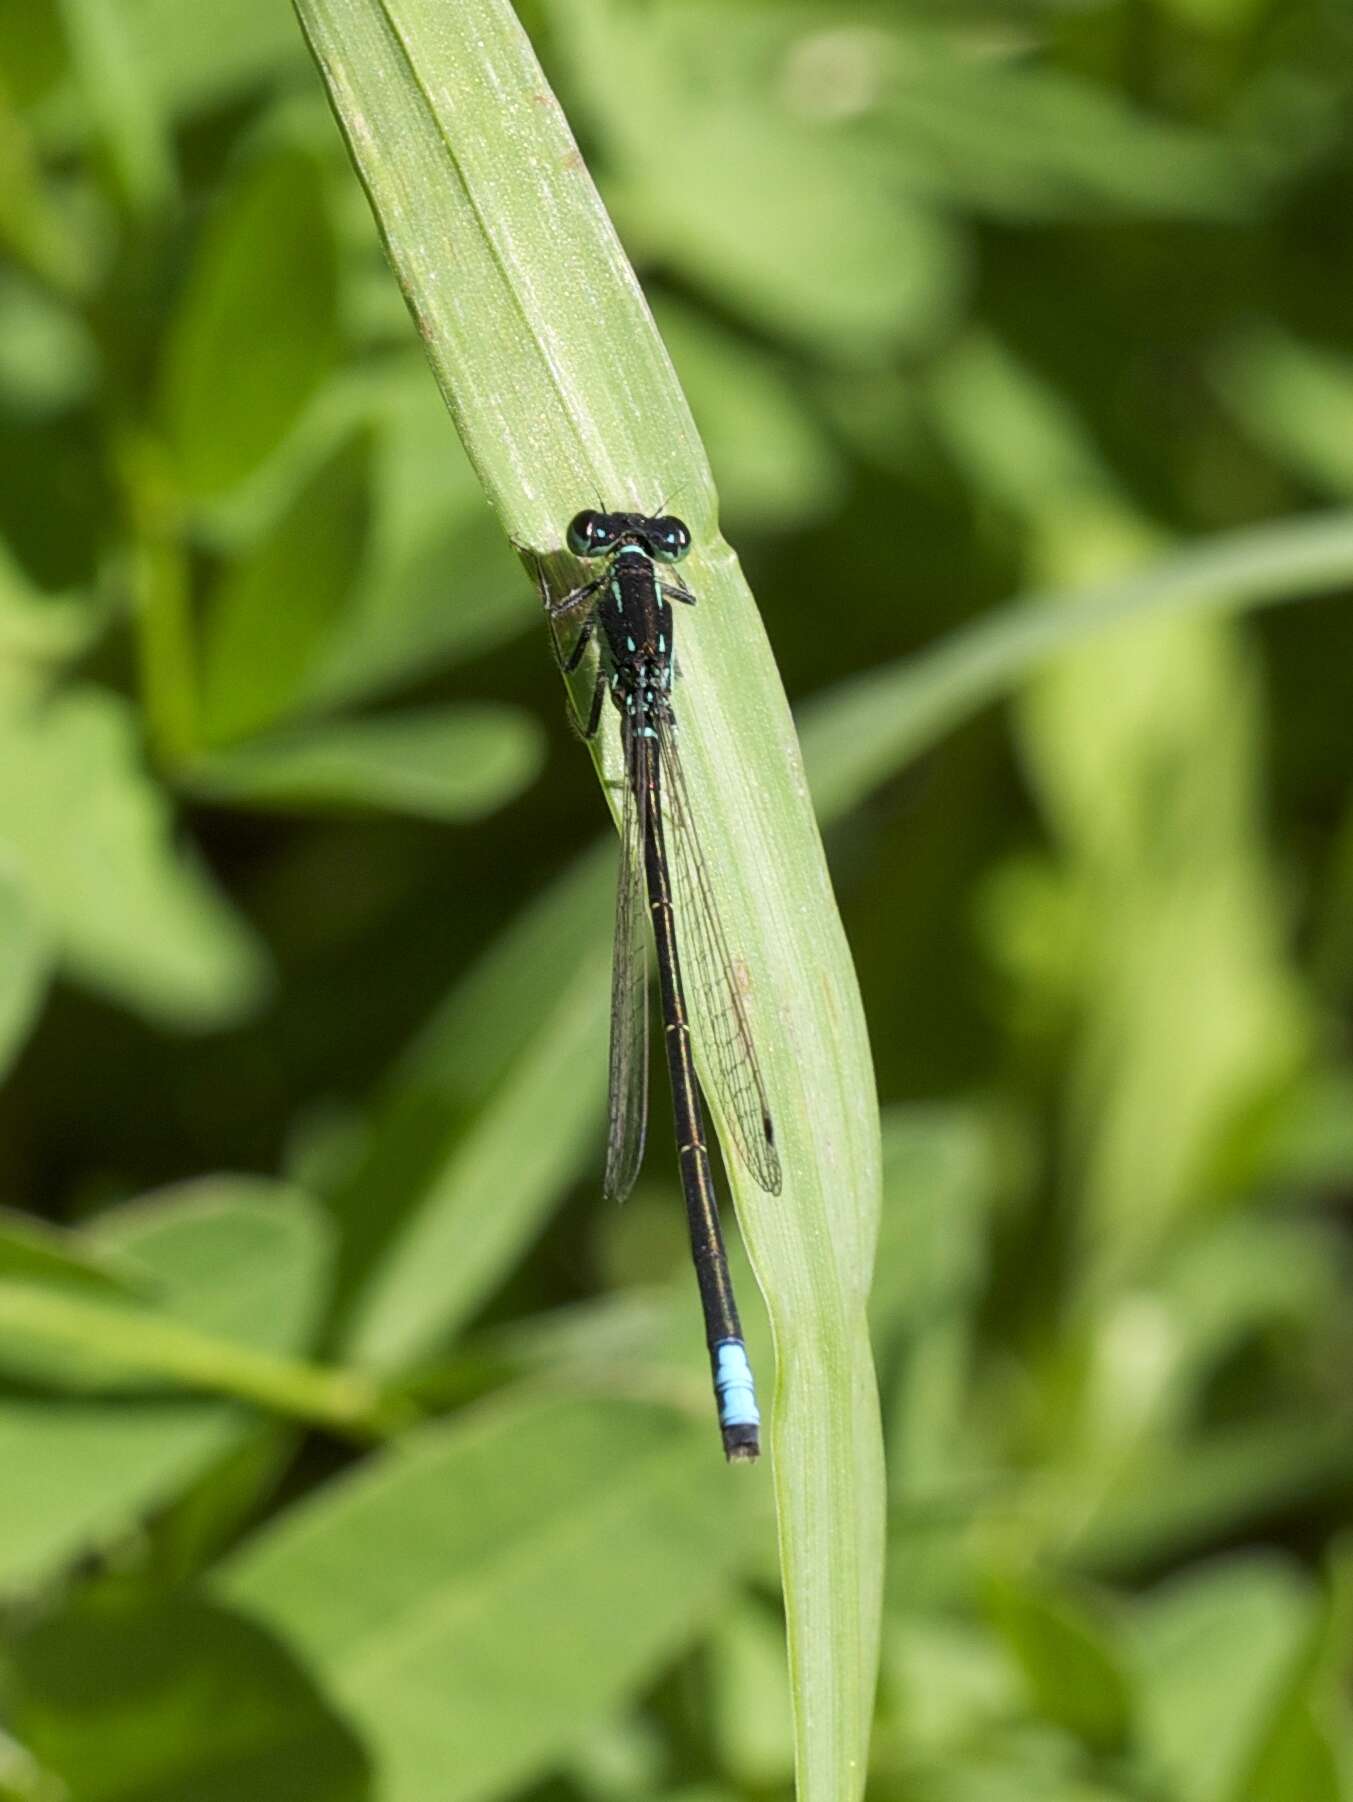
point(739, 1419)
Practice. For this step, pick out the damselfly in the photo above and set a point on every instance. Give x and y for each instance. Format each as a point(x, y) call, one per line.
point(631, 601)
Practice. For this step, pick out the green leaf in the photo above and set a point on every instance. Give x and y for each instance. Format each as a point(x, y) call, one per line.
point(811, 247)
point(1008, 135)
point(273, 611)
point(484, 1125)
point(117, 97)
point(1295, 401)
point(456, 1559)
point(1192, 1015)
point(237, 1259)
point(806, 239)
point(1310, 1138)
point(48, 361)
point(127, 911)
point(1019, 441)
point(1298, 1758)
point(441, 584)
point(562, 392)
point(1213, 1485)
point(1246, 1274)
point(25, 965)
point(252, 44)
point(55, 501)
point(701, 1792)
point(250, 344)
point(33, 229)
point(39, 630)
point(1297, 1753)
point(949, 1682)
point(939, 1173)
point(868, 728)
point(39, 1253)
point(33, 54)
point(225, 1497)
point(443, 763)
point(1214, 1650)
point(452, 595)
point(1016, 1768)
point(153, 1701)
point(750, 1713)
point(774, 464)
point(1067, 1656)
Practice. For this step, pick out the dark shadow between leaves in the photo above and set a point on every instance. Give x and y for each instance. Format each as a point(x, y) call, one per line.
point(129, 1700)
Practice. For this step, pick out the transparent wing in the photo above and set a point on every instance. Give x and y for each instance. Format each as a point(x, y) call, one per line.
point(628, 1105)
point(739, 1085)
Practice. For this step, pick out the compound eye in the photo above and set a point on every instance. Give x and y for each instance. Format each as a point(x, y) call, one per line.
point(670, 538)
point(590, 533)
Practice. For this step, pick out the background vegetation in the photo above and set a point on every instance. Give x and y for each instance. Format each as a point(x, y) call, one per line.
point(302, 952)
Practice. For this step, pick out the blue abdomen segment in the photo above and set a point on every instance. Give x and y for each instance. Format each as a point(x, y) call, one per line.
point(734, 1385)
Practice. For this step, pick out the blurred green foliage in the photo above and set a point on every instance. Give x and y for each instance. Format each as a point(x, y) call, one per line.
point(967, 301)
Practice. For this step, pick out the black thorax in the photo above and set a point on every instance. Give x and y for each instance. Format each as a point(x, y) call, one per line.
point(637, 622)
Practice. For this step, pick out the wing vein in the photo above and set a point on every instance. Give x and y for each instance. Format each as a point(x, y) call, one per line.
point(628, 1102)
point(739, 1086)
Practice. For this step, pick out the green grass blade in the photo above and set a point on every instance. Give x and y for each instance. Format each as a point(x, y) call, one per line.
point(106, 1341)
point(232, 1258)
point(865, 730)
point(564, 396)
point(33, 1251)
point(530, 314)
